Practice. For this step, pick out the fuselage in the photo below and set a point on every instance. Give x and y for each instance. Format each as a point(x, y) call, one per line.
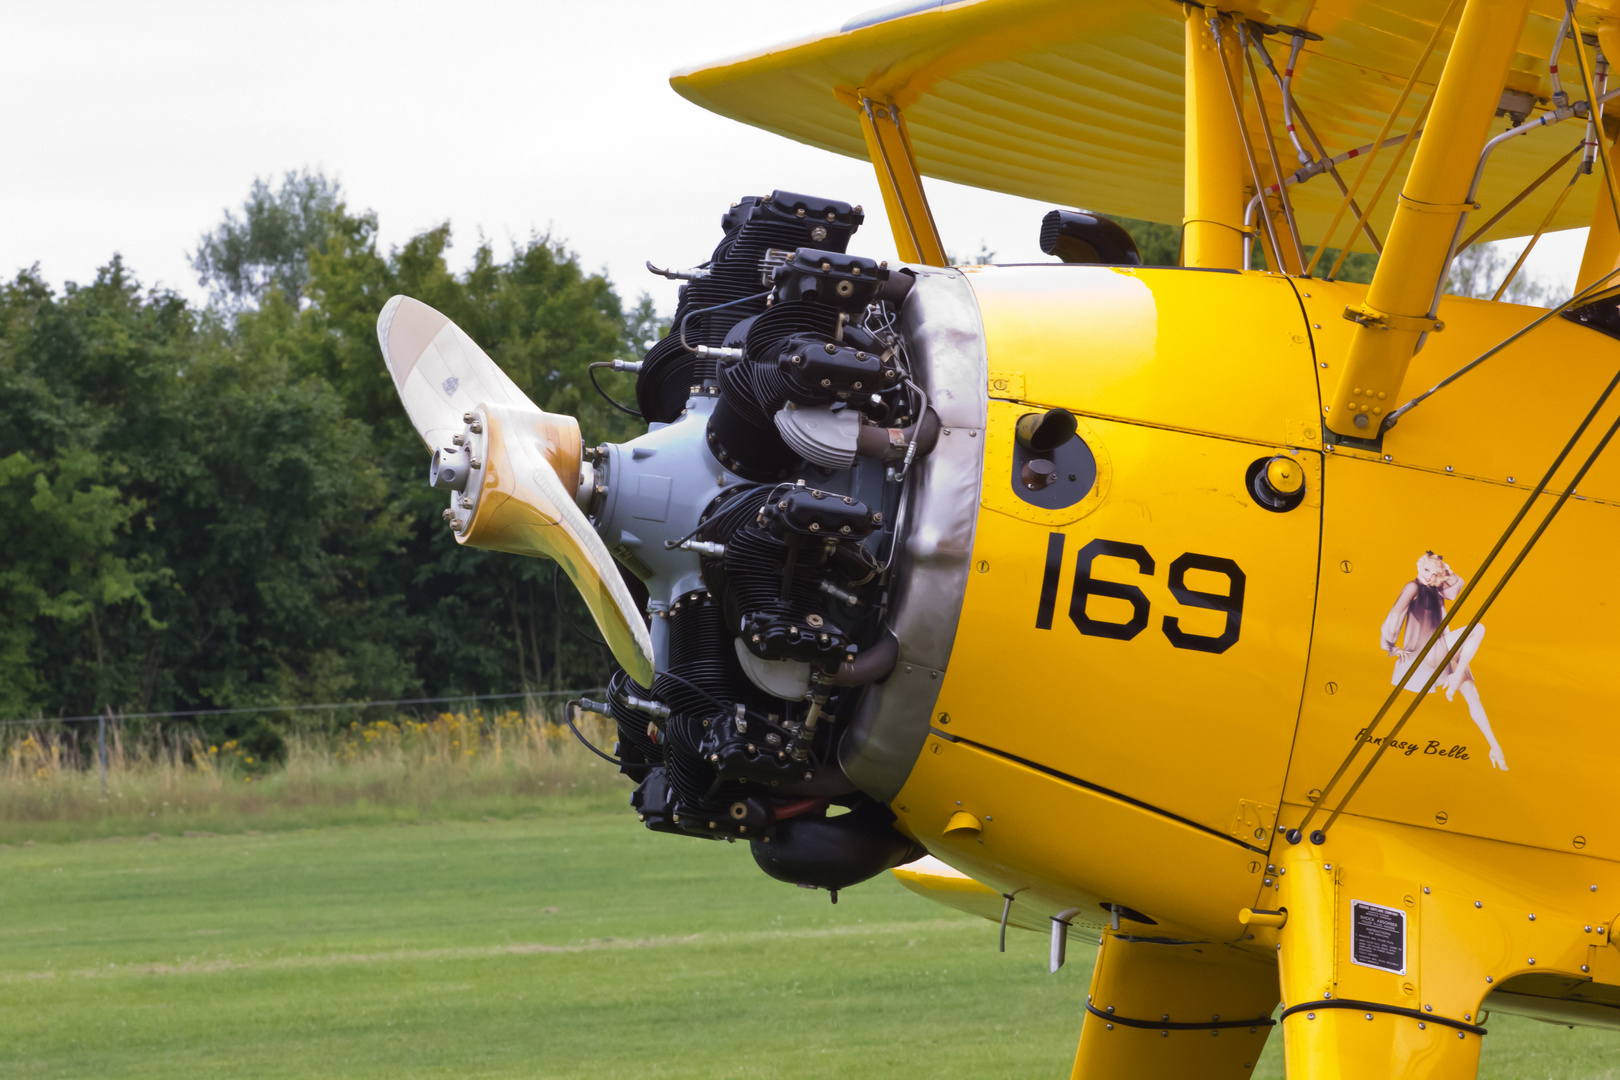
point(1148, 686)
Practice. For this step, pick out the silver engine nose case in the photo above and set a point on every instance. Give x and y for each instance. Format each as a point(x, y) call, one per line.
point(941, 323)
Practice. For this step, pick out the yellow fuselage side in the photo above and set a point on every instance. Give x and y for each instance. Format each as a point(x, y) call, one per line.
point(1156, 764)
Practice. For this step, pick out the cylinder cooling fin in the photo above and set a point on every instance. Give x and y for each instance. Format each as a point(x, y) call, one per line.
point(797, 418)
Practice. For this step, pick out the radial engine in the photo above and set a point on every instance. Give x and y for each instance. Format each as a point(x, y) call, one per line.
point(792, 523)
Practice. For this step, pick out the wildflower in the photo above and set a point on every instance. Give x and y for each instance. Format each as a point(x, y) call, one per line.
point(249, 761)
point(213, 749)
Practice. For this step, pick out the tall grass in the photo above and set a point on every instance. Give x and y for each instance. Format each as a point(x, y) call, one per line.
point(453, 765)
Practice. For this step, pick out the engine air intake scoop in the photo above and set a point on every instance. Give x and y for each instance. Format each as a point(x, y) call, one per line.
point(1078, 237)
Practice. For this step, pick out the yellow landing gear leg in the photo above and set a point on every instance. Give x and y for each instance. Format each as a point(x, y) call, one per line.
point(1342, 1020)
point(1396, 937)
point(1175, 1011)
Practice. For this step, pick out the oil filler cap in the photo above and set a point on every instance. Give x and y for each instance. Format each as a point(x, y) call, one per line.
point(1277, 483)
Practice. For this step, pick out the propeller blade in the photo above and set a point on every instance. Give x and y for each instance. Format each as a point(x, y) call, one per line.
point(520, 497)
point(439, 371)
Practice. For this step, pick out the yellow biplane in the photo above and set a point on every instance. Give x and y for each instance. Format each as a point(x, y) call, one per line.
point(1253, 620)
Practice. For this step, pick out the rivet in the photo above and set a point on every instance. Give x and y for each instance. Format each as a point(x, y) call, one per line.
point(1428, 1008)
point(1532, 916)
point(1110, 1027)
point(1510, 479)
point(1386, 456)
point(1459, 1034)
point(1316, 326)
point(1490, 979)
point(1448, 468)
point(1322, 364)
point(1310, 1016)
point(1422, 1026)
point(1369, 1016)
point(1585, 969)
point(1479, 903)
point(1532, 961)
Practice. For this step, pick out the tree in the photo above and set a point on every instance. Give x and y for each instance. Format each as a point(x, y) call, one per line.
point(268, 246)
point(1160, 245)
point(1478, 271)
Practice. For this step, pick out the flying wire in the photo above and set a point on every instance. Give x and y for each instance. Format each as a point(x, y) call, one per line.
point(1586, 84)
point(1396, 413)
point(1389, 122)
point(1467, 590)
point(1462, 638)
point(1552, 212)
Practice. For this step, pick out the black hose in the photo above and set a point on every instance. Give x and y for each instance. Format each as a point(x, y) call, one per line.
point(568, 718)
point(591, 371)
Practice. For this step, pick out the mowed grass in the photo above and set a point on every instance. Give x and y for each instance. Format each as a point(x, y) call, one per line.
point(566, 945)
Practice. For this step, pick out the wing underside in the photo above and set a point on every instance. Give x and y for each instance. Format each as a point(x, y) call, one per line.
point(1081, 104)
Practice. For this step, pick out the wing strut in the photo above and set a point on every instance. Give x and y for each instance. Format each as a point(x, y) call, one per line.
point(915, 234)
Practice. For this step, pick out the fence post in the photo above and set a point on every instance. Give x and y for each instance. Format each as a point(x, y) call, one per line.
point(101, 748)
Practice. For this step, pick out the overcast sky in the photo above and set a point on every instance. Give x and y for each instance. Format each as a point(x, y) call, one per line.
point(132, 127)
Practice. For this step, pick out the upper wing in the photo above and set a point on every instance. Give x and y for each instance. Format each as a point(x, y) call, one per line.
point(1081, 103)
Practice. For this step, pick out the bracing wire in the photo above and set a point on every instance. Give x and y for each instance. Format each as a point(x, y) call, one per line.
point(1462, 639)
point(1552, 212)
point(1529, 189)
point(1596, 286)
point(1462, 598)
point(1586, 85)
point(1389, 122)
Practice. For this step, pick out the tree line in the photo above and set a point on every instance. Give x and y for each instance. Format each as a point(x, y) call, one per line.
point(224, 505)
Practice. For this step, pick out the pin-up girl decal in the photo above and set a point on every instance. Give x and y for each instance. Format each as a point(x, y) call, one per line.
point(1419, 608)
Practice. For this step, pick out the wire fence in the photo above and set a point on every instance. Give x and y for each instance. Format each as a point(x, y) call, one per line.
point(329, 706)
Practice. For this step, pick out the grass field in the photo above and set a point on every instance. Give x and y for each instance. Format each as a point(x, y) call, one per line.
point(569, 944)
